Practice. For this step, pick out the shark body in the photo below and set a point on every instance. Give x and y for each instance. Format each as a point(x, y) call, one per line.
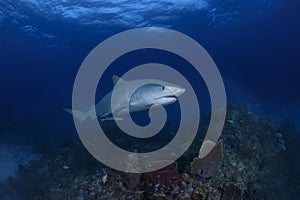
point(140, 94)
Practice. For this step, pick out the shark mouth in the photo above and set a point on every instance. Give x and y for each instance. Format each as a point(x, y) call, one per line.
point(169, 99)
point(168, 96)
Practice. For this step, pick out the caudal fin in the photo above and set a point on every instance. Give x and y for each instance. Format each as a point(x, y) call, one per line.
point(80, 116)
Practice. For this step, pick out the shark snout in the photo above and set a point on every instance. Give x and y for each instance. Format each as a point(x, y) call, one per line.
point(177, 90)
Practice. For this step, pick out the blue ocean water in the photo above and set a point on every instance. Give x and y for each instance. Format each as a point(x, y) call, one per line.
point(255, 45)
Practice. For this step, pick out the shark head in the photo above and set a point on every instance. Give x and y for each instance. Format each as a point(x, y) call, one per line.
point(155, 94)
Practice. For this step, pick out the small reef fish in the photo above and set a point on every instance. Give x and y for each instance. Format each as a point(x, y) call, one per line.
point(104, 179)
point(66, 167)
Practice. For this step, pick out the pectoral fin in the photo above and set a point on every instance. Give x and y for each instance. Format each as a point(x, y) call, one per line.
point(111, 118)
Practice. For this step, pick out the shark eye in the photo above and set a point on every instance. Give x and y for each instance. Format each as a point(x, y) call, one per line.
point(163, 87)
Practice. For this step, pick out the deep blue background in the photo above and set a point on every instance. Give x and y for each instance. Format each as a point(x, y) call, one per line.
point(257, 55)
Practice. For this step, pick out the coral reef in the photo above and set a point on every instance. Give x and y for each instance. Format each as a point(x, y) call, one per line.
point(232, 192)
point(165, 181)
point(210, 164)
point(255, 151)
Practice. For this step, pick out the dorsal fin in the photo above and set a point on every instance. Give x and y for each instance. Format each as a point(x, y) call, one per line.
point(116, 79)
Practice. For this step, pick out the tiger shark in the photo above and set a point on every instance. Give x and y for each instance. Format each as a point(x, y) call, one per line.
point(131, 96)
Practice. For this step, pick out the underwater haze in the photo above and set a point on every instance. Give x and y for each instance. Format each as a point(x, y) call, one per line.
point(255, 45)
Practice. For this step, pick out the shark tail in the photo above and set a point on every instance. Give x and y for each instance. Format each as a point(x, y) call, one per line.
point(79, 115)
point(82, 116)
